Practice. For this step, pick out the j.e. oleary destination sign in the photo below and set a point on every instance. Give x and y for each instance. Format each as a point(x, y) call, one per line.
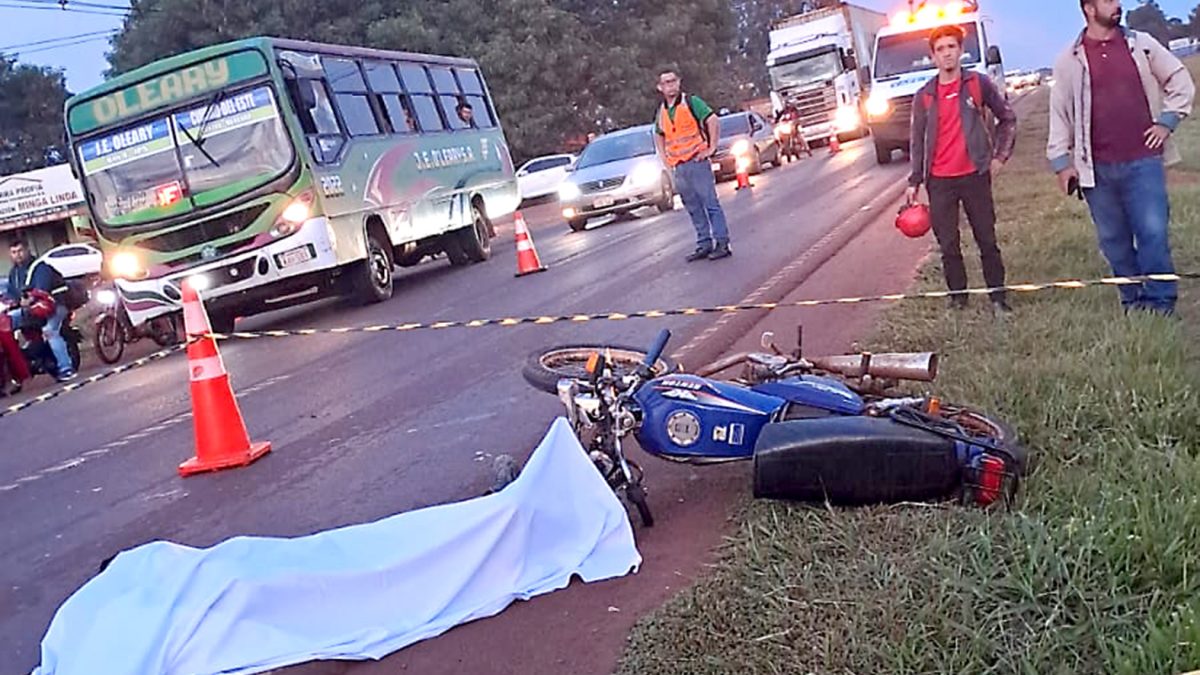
point(165, 90)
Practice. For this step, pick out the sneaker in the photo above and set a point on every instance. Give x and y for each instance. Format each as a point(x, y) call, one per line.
point(700, 253)
point(957, 302)
point(65, 376)
point(721, 251)
point(1001, 308)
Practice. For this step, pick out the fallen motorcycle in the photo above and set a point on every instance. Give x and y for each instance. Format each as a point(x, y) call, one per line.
point(829, 429)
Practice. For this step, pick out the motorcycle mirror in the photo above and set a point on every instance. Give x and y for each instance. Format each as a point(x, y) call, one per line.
point(768, 340)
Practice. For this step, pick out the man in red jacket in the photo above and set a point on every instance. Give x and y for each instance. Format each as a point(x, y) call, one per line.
point(954, 156)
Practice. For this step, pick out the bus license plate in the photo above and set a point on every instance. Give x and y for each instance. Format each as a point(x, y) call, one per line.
point(604, 202)
point(295, 256)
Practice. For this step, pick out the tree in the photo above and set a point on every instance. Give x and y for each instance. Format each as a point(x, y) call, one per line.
point(158, 28)
point(31, 107)
point(1149, 18)
point(557, 68)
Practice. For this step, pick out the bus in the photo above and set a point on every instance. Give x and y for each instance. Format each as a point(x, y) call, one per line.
point(269, 172)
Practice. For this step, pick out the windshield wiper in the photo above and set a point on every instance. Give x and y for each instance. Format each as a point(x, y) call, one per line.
point(198, 139)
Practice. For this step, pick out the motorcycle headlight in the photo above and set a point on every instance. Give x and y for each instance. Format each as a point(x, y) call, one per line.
point(741, 147)
point(878, 106)
point(644, 175)
point(106, 296)
point(569, 191)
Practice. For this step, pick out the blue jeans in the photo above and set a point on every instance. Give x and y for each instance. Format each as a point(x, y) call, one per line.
point(697, 188)
point(52, 332)
point(1131, 210)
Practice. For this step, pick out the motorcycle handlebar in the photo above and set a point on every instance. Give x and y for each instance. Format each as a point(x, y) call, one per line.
point(656, 350)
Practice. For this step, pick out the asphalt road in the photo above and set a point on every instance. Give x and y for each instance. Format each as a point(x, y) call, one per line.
point(368, 425)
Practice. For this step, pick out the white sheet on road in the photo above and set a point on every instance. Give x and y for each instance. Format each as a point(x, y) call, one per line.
point(251, 604)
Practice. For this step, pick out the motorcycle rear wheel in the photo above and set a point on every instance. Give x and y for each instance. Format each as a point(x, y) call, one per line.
point(544, 368)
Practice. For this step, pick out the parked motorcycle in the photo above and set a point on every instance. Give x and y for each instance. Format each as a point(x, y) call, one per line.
point(39, 358)
point(114, 329)
point(817, 429)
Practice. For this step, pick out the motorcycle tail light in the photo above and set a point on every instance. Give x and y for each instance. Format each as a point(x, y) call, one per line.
point(991, 473)
point(934, 407)
point(593, 362)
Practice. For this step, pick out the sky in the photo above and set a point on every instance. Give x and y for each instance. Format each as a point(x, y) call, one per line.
point(1030, 32)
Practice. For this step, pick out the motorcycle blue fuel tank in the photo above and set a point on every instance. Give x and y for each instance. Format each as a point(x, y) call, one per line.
point(690, 417)
point(815, 392)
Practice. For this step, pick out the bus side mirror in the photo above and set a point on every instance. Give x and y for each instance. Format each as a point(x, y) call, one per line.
point(993, 56)
point(849, 62)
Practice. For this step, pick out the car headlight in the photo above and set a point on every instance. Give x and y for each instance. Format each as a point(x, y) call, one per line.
point(740, 147)
point(847, 119)
point(878, 106)
point(569, 191)
point(126, 265)
point(644, 175)
point(784, 127)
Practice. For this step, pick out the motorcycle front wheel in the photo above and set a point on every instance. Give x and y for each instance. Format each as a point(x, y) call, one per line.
point(109, 340)
point(544, 368)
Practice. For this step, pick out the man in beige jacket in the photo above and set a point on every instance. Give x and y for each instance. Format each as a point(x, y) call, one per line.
point(1118, 96)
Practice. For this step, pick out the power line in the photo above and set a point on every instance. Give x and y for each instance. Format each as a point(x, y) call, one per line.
point(57, 39)
point(67, 4)
point(59, 46)
point(95, 12)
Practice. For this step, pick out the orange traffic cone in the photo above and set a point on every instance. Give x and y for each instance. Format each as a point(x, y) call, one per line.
point(835, 146)
point(743, 174)
point(527, 257)
point(221, 438)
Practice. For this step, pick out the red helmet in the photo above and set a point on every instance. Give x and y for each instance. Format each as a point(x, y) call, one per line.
point(41, 305)
point(913, 220)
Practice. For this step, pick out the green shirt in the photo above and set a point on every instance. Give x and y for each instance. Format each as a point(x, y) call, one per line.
point(700, 110)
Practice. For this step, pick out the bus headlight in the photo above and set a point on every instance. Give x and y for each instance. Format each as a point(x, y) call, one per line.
point(294, 215)
point(741, 147)
point(198, 282)
point(878, 106)
point(126, 265)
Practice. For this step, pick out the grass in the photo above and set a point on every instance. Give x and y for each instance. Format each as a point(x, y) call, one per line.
point(1098, 567)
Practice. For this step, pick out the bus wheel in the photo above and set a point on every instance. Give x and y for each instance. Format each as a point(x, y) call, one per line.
point(475, 241)
point(373, 276)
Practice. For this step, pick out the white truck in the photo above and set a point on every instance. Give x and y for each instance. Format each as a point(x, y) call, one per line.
point(903, 64)
point(818, 62)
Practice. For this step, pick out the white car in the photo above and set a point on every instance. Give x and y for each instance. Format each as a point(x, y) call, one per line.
point(541, 176)
point(74, 260)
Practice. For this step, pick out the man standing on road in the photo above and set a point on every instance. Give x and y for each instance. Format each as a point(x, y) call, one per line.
point(686, 132)
point(1118, 95)
point(954, 155)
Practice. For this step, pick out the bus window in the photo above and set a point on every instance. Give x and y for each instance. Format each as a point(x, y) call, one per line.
point(399, 113)
point(319, 121)
point(350, 95)
point(472, 86)
point(449, 96)
point(389, 97)
point(416, 82)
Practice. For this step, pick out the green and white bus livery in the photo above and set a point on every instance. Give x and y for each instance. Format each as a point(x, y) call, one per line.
point(272, 172)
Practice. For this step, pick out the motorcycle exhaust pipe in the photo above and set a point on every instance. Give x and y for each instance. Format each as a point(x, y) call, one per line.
point(920, 367)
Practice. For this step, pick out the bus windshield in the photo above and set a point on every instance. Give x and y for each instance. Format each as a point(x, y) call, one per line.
point(812, 68)
point(909, 52)
point(171, 165)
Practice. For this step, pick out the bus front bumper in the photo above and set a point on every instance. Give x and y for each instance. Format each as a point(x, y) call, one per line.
point(251, 280)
